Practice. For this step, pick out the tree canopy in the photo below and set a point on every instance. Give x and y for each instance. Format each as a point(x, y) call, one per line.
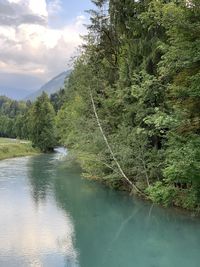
point(140, 63)
point(42, 124)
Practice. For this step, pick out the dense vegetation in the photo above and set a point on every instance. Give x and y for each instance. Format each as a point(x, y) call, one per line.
point(12, 117)
point(130, 111)
point(31, 121)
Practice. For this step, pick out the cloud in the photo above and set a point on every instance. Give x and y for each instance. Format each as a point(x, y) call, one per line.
point(28, 45)
point(54, 7)
point(16, 13)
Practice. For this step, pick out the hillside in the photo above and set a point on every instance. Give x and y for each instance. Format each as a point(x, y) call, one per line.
point(17, 86)
point(51, 87)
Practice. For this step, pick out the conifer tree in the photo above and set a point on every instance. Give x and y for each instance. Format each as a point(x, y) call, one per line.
point(42, 124)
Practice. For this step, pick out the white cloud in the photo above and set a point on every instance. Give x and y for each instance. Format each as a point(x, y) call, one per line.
point(54, 7)
point(38, 7)
point(30, 45)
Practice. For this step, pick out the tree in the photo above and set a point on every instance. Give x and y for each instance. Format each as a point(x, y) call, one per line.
point(140, 64)
point(57, 99)
point(42, 124)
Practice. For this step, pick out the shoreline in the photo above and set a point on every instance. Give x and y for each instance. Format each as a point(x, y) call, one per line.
point(191, 212)
point(12, 148)
point(19, 156)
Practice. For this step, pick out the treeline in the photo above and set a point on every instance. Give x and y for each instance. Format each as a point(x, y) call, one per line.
point(12, 117)
point(133, 100)
point(32, 121)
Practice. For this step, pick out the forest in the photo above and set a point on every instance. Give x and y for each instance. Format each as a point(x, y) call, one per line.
point(130, 111)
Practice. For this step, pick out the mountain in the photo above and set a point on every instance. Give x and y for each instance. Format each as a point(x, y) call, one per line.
point(18, 86)
point(13, 93)
point(52, 86)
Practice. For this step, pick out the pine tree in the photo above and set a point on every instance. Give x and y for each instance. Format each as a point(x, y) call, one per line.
point(42, 124)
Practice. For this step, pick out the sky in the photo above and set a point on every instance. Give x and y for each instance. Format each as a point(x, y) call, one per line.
point(37, 40)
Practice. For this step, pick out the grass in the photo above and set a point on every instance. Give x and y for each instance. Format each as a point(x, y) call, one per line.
point(11, 148)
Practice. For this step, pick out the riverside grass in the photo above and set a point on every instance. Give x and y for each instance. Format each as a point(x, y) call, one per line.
point(11, 148)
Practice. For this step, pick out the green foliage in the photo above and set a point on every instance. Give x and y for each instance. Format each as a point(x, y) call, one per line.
point(183, 159)
point(12, 118)
point(42, 124)
point(140, 62)
point(58, 99)
point(188, 199)
point(161, 194)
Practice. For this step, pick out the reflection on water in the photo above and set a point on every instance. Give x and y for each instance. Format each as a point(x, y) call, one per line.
point(40, 173)
point(34, 231)
point(50, 217)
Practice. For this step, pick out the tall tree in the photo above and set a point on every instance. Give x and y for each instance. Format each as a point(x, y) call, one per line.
point(135, 88)
point(42, 124)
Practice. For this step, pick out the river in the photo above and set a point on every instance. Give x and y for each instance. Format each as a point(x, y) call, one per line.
point(51, 217)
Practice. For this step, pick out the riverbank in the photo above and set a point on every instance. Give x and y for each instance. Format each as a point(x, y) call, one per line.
point(11, 148)
point(160, 194)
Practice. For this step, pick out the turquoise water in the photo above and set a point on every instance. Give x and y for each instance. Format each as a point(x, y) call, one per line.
point(50, 217)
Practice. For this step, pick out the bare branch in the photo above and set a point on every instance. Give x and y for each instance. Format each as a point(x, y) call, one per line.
point(134, 187)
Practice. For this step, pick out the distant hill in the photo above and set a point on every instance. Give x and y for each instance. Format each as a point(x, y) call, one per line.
point(13, 93)
point(51, 87)
point(18, 86)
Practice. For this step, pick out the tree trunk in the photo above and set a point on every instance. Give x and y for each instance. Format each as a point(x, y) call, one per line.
point(133, 186)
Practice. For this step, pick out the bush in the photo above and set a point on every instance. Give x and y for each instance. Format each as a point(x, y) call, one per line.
point(161, 194)
point(187, 199)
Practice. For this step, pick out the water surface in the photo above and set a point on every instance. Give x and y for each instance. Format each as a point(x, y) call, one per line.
point(50, 217)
